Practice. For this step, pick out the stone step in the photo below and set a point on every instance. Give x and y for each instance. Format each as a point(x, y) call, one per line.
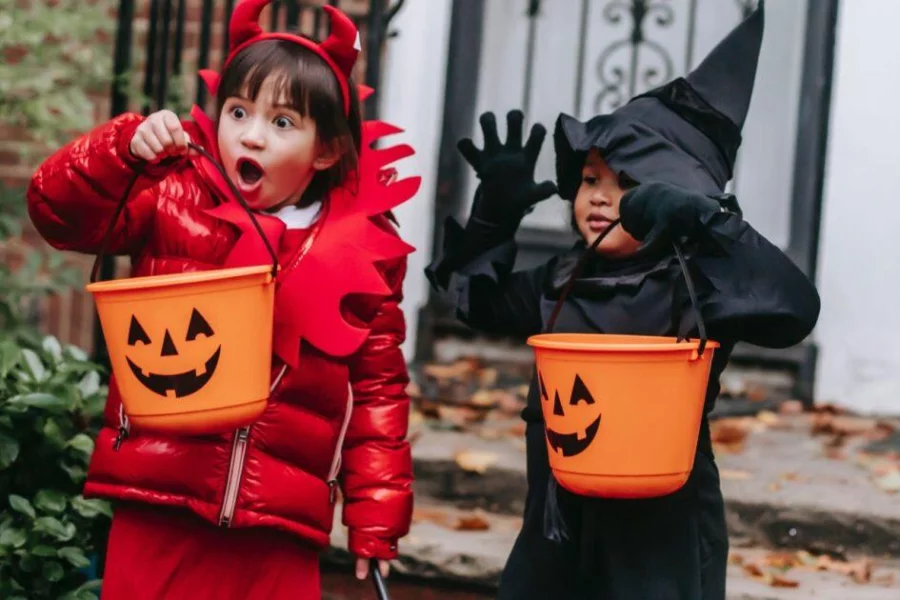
point(442, 556)
point(782, 489)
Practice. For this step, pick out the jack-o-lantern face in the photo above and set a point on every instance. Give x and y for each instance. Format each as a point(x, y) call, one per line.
point(581, 410)
point(176, 369)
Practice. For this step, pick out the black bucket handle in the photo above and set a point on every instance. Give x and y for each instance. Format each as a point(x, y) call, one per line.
point(589, 251)
point(95, 271)
point(378, 581)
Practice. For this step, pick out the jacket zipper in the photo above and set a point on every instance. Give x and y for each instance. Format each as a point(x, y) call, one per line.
point(337, 458)
point(124, 429)
point(236, 464)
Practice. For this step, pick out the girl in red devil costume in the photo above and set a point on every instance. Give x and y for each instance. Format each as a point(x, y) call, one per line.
point(244, 515)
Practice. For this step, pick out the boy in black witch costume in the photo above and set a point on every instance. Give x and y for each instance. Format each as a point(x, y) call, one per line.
point(660, 163)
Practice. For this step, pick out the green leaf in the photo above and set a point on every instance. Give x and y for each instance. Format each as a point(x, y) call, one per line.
point(52, 347)
point(29, 563)
point(52, 501)
point(53, 571)
point(9, 451)
point(22, 505)
point(75, 557)
point(13, 538)
point(10, 355)
point(91, 508)
point(89, 384)
point(40, 400)
point(53, 434)
point(83, 444)
point(44, 551)
point(76, 473)
point(54, 528)
point(35, 365)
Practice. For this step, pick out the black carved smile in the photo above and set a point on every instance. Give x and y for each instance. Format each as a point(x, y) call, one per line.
point(183, 384)
point(569, 443)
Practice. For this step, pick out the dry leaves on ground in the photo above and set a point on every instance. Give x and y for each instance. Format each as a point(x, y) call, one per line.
point(772, 568)
point(475, 461)
point(474, 521)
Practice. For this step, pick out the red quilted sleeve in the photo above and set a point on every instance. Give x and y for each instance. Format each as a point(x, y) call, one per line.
point(74, 193)
point(377, 466)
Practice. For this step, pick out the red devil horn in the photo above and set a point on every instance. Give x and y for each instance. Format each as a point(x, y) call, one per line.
point(245, 22)
point(342, 44)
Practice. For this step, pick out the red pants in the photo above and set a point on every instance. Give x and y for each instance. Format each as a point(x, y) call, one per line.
point(159, 553)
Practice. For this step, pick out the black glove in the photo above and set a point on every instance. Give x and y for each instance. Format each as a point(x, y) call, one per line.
point(507, 190)
point(657, 209)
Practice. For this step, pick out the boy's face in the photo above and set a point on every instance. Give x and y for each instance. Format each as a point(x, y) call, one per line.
point(597, 205)
point(268, 149)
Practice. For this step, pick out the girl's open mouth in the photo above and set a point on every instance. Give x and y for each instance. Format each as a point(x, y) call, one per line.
point(249, 173)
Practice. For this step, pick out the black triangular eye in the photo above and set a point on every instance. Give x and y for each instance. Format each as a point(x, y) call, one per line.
point(580, 393)
point(136, 333)
point(557, 406)
point(197, 326)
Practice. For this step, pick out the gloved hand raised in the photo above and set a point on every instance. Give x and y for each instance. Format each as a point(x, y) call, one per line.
point(506, 170)
point(656, 208)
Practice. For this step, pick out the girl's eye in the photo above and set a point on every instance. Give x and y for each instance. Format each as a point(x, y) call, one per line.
point(238, 113)
point(283, 122)
point(589, 179)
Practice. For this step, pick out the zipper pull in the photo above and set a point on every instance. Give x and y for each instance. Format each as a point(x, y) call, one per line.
point(332, 490)
point(120, 437)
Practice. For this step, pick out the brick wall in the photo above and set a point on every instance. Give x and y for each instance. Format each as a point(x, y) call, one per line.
point(70, 316)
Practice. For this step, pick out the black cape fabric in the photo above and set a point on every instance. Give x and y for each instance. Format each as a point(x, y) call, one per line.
point(672, 547)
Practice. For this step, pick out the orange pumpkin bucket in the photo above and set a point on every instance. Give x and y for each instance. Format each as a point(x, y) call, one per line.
point(191, 352)
point(622, 413)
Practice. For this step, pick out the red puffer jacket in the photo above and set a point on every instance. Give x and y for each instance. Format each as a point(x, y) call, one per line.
point(282, 472)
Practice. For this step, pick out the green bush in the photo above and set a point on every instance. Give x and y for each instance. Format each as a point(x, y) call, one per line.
point(53, 55)
point(51, 399)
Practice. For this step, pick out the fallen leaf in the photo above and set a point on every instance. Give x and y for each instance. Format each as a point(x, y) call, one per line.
point(791, 407)
point(472, 523)
point(432, 515)
point(475, 461)
point(482, 398)
point(779, 581)
point(413, 390)
point(756, 392)
point(774, 486)
point(458, 370)
point(729, 431)
point(735, 558)
point(487, 377)
point(461, 416)
point(790, 477)
point(734, 474)
point(754, 570)
point(768, 417)
point(781, 560)
point(889, 482)
point(517, 430)
point(860, 570)
point(508, 403)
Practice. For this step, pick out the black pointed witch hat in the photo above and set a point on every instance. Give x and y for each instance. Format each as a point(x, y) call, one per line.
point(686, 132)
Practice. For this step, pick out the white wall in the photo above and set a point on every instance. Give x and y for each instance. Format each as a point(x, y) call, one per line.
point(859, 261)
point(412, 97)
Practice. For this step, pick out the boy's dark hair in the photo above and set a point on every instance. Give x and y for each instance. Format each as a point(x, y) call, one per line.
point(310, 86)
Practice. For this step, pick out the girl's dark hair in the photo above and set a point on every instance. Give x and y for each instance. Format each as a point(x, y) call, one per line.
point(306, 81)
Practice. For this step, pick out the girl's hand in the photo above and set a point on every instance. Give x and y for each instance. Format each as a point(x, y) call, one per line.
point(656, 208)
point(506, 170)
point(159, 136)
point(362, 568)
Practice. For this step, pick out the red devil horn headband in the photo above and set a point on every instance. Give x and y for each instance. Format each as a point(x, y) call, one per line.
point(339, 50)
